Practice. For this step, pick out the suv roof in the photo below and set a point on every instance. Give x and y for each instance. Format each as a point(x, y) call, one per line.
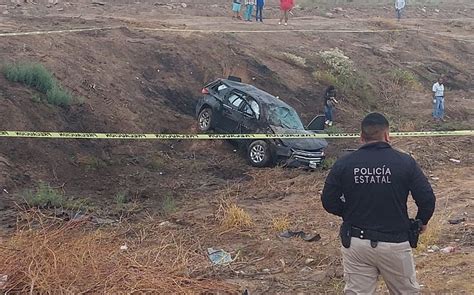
point(258, 94)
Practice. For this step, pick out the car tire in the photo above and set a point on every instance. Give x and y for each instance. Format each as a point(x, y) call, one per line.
point(205, 119)
point(259, 154)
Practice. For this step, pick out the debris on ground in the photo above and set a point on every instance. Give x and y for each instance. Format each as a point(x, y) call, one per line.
point(456, 221)
point(433, 248)
point(329, 15)
point(219, 256)
point(455, 160)
point(124, 247)
point(300, 234)
point(449, 249)
point(3, 281)
point(103, 221)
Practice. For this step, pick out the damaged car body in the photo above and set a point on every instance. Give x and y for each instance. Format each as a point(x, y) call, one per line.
point(229, 106)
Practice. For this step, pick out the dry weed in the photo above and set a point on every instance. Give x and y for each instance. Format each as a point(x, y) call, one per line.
point(74, 257)
point(232, 217)
point(407, 126)
point(432, 234)
point(294, 59)
point(280, 223)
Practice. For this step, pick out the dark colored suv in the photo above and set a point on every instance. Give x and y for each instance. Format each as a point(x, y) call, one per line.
point(230, 106)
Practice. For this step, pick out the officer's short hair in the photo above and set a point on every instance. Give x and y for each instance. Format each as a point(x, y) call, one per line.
point(373, 126)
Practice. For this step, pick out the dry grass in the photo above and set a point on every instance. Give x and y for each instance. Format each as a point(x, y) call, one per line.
point(294, 59)
point(432, 234)
point(52, 256)
point(280, 223)
point(232, 217)
point(407, 126)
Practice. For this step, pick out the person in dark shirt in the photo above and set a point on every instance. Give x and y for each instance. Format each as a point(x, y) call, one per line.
point(329, 102)
point(369, 189)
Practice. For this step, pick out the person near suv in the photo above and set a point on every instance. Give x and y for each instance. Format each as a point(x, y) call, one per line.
point(329, 103)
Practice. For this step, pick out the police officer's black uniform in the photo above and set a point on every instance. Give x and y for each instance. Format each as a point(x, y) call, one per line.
point(369, 189)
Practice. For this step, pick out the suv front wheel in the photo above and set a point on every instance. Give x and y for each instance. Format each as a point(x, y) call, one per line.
point(259, 154)
point(205, 119)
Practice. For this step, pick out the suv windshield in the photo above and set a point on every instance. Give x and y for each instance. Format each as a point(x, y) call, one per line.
point(284, 117)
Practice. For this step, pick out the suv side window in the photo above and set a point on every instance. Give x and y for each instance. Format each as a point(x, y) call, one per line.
point(255, 108)
point(246, 109)
point(219, 88)
point(235, 100)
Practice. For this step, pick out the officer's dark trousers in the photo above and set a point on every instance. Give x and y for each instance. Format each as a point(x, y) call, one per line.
point(363, 264)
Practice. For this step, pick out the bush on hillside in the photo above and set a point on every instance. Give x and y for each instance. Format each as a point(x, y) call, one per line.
point(37, 76)
point(342, 74)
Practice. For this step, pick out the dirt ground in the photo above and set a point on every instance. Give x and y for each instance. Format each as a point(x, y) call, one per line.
point(142, 69)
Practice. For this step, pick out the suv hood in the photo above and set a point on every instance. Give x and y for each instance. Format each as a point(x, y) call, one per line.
point(307, 144)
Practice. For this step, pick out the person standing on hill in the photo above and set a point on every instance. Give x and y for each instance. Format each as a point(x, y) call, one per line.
point(249, 4)
point(236, 5)
point(285, 7)
point(438, 100)
point(329, 101)
point(399, 6)
point(259, 13)
point(369, 189)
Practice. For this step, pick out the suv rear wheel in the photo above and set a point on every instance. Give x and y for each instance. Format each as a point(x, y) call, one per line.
point(259, 154)
point(205, 119)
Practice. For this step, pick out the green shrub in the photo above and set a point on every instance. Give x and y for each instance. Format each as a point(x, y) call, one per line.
point(44, 196)
point(38, 77)
point(58, 96)
point(405, 78)
point(121, 198)
point(338, 62)
point(342, 74)
point(168, 205)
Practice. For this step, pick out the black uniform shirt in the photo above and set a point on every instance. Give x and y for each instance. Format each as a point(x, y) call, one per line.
point(369, 189)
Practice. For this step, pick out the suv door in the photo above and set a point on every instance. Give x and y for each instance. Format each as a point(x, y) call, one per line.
point(317, 124)
point(250, 115)
point(231, 115)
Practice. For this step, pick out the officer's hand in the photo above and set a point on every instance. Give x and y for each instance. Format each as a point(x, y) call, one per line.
point(423, 228)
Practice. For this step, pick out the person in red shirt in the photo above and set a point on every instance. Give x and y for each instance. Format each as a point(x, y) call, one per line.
point(285, 7)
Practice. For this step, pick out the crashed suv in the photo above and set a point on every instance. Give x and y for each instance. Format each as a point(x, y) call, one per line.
point(230, 106)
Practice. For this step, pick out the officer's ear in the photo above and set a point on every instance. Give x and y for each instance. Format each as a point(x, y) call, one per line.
point(386, 135)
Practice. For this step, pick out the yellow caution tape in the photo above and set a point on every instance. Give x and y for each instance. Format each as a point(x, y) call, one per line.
point(144, 136)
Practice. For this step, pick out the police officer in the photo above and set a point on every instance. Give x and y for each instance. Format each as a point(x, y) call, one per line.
point(369, 189)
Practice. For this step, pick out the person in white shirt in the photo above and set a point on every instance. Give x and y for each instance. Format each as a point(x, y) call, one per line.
point(399, 6)
point(438, 100)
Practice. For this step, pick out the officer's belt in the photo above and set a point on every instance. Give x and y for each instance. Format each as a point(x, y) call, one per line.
point(378, 236)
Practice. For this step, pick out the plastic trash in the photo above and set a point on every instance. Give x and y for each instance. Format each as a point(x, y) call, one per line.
point(124, 247)
point(219, 256)
point(449, 249)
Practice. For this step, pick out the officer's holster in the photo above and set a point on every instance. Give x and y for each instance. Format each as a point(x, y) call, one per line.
point(345, 234)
